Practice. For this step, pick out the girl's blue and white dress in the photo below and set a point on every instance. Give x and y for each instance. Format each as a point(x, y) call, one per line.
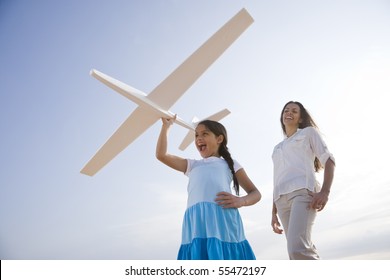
point(211, 232)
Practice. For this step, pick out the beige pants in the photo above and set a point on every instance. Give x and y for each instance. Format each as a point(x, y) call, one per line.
point(297, 220)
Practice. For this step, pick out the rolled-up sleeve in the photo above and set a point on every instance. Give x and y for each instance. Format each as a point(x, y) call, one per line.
point(319, 146)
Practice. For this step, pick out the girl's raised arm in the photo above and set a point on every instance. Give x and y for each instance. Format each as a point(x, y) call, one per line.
point(175, 162)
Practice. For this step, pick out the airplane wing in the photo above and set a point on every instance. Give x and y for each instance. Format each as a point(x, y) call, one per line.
point(136, 124)
point(174, 86)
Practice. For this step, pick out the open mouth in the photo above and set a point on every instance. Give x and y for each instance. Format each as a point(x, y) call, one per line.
point(201, 147)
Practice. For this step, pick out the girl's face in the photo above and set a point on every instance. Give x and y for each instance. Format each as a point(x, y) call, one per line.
point(292, 115)
point(207, 142)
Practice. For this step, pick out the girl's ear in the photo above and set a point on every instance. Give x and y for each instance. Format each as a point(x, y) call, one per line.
point(220, 139)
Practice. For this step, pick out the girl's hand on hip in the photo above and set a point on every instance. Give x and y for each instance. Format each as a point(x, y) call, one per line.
point(228, 200)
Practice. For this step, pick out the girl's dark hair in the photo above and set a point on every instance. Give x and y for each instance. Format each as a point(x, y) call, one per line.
point(306, 121)
point(218, 129)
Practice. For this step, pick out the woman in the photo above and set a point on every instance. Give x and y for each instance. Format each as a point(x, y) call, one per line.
point(297, 195)
point(212, 226)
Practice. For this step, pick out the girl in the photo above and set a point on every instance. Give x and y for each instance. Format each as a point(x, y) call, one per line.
point(297, 194)
point(212, 226)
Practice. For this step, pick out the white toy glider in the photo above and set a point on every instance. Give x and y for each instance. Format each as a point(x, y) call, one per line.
point(154, 106)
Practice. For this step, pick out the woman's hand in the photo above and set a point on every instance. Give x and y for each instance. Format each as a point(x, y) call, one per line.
point(319, 200)
point(276, 225)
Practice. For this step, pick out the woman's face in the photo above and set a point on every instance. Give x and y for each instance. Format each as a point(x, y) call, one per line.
point(207, 142)
point(292, 115)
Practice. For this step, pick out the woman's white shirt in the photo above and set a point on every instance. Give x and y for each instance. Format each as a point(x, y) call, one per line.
point(293, 160)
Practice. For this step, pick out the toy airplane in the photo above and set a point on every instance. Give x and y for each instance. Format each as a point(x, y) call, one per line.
point(156, 105)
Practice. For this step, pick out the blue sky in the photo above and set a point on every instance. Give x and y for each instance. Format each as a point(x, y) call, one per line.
point(333, 56)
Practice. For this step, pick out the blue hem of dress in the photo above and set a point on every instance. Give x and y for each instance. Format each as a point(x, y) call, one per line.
point(215, 249)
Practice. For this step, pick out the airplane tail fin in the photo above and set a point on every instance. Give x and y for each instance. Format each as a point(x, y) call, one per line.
point(191, 133)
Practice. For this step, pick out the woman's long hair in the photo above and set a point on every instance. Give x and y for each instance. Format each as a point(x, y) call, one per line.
point(306, 121)
point(218, 129)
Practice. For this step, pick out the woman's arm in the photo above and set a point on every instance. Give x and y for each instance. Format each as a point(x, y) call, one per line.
point(320, 199)
point(175, 162)
point(275, 224)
